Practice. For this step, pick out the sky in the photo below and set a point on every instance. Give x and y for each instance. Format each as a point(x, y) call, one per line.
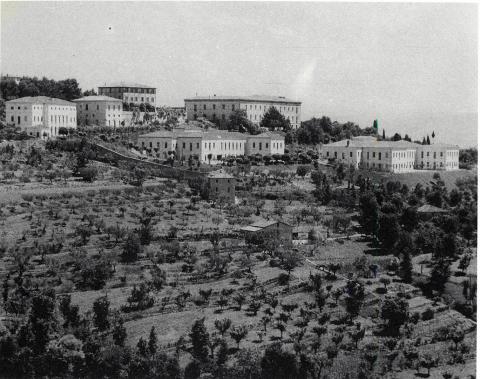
point(412, 66)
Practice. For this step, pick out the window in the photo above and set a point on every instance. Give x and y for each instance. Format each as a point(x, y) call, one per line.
point(266, 145)
point(214, 106)
point(434, 155)
point(166, 145)
point(12, 118)
point(373, 154)
point(379, 156)
point(335, 154)
point(183, 145)
point(223, 106)
point(328, 153)
point(368, 155)
point(441, 154)
point(343, 155)
point(422, 154)
point(198, 145)
point(351, 154)
point(86, 107)
point(204, 106)
point(253, 145)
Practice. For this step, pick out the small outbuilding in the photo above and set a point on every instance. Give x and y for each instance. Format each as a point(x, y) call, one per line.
point(221, 185)
point(275, 228)
point(427, 211)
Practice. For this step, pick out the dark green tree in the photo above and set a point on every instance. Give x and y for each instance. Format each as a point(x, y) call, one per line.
point(274, 120)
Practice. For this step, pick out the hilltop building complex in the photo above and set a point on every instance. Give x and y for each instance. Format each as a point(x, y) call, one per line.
point(41, 116)
point(367, 152)
point(209, 146)
point(220, 107)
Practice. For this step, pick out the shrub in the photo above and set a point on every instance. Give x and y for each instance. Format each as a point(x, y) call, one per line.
point(88, 174)
point(428, 314)
point(283, 279)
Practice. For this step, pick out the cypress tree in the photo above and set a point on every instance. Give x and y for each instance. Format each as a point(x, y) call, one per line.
point(200, 338)
point(152, 341)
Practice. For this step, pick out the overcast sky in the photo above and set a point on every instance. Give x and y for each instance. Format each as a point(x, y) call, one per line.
point(412, 66)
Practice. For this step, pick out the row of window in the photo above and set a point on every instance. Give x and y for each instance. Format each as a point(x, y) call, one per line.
point(142, 99)
point(105, 90)
point(38, 108)
point(53, 118)
point(214, 106)
point(113, 107)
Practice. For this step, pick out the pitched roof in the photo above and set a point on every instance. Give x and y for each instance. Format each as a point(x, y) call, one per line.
point(41, 100)
point(427, 208)
point(220, 174)
point(262, 224)
point(267, 135)
point(125, 84)
point(98, 98)
point(253, 98)
point(372, 142)
point(222, 134)
point(158, 134)
point(441, 145)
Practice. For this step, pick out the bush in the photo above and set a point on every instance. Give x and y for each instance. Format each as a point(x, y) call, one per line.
point(283, 279)
point(88, 174)
point(415, 317)
point(428, 314)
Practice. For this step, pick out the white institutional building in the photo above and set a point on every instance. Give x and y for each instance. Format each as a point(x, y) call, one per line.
point(220, 107)
point(366, 152)
point(100, 110)
point(210, 146)
point(41, 116)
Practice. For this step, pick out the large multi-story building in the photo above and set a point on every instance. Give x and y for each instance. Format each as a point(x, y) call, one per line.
point(41, 116)
point(130, 93)
point(100, 110)
point(209, 146)
point(367, 152)
point(220, 107)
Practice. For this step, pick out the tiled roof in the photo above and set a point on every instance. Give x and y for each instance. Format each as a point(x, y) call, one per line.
point(372, 142)
point(222, 134)
point(254, 98)
point(98, 98)
point(125, 84)
point(220, 174)
point(268, 135)
point(158, 134)
point(427, 208)
point(41, 100)
point(441, 145)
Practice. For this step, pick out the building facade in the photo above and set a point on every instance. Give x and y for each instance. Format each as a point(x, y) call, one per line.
point(437, 157)
point(220, 107)
point(130, 93)
point(100, 110)
point(367, 152)
point(279, 230)
point(208, 146)
point(41, 116)
point(221, 186)
point(265, 144)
